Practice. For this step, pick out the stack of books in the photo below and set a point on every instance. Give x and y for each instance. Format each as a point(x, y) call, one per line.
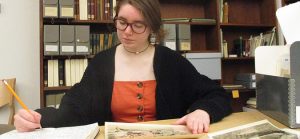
point(248, 80)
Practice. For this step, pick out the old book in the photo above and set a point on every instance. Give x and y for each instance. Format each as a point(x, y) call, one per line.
point(203, 20)
point(225, 49)
point(50, 73)
point(261, 129)
point(61, 72)
point(68, 81)
point(225, 12)
point(83, 9)
point(176, 19)
point(142, 131)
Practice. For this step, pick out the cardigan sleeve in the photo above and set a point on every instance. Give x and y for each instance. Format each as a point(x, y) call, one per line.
point(204, 93)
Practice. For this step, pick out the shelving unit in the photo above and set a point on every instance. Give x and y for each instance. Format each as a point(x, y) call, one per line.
point(246, 17)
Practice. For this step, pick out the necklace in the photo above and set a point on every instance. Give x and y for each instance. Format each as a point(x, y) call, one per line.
point(137, 52)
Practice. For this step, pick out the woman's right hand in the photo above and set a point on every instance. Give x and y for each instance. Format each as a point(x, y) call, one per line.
point(25, 121)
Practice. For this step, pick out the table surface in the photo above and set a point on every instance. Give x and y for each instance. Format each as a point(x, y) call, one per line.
point(233, 120)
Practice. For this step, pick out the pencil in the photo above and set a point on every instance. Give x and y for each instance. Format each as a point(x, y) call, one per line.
point(16, 96)
point(18, 99)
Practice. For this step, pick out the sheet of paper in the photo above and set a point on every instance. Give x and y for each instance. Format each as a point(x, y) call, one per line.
point(273, 60)
point(289, 21)
point(76, 132)
point(256, 130)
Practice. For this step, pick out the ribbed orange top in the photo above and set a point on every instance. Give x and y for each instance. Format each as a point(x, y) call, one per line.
point(133, 101)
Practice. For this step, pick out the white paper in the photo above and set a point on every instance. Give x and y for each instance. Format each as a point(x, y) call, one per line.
point(82, 49)
point(273, 60)
point(51, 48)
point(76, 132)
point(257, 130)
point(67, 48)
point(297, 114)
point(289, 21)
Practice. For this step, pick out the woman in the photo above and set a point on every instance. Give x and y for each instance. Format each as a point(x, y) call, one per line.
point(136, 81)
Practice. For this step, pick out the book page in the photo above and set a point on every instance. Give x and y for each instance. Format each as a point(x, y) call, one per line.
point(117, 130)
point(257, 130)
point(76, 132)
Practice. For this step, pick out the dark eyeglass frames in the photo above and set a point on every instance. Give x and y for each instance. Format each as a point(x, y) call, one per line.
point(137, 27)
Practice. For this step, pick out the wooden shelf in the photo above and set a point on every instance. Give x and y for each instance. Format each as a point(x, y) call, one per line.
point(246, 26)
point(69, 57)
point(60, 88)
point(240, 90)
point(238, 59)
point(55, 21)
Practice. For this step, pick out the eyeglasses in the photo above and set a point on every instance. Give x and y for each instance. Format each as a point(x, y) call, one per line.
point(137, 27)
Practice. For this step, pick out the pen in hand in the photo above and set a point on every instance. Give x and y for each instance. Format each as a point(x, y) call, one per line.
point(18, 99)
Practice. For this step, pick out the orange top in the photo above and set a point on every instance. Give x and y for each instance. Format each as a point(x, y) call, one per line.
point(133, 101)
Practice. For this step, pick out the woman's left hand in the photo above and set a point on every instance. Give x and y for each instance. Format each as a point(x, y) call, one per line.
point(197, 121)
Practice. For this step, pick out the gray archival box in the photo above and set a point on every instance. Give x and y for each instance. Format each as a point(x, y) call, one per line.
point(279, 96)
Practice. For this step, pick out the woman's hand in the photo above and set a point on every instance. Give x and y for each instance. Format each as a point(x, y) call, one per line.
point(25, 121)
point(197, 121)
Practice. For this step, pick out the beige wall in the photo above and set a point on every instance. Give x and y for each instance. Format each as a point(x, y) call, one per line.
point(19, 49)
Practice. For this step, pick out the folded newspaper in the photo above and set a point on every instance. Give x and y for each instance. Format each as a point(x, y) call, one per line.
point(257, 130)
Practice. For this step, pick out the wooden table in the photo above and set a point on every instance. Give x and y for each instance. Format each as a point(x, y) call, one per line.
point(233, 120)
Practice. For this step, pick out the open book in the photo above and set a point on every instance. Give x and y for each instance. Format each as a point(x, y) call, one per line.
point(75, 132)
point(117, 130)
point(257, 130)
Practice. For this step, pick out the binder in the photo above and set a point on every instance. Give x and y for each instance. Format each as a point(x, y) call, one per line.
point(50, 73)
point(184, 37)
point(50, 9)
point(278, 96)
point(82, 34)
point(67, 40)
point(66, 9)
point(68, 72)
point(51, 40)
point(83, 9)
point(170, 38)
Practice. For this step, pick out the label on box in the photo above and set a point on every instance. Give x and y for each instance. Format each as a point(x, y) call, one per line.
point(297, 114)
point(235, 93)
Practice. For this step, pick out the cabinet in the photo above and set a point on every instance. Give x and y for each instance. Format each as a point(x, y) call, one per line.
point(246, 17)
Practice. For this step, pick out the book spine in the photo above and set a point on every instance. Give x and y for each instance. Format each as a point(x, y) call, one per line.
point(61, 74)
point(292, 119)
point(225, 12)
point(45, 73)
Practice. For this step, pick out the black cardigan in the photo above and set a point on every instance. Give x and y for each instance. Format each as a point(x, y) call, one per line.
point(180, 89)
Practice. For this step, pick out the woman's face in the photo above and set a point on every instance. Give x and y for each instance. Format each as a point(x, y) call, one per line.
point(134, 35)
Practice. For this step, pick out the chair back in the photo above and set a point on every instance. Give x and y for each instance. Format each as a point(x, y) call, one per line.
point(6, 98)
